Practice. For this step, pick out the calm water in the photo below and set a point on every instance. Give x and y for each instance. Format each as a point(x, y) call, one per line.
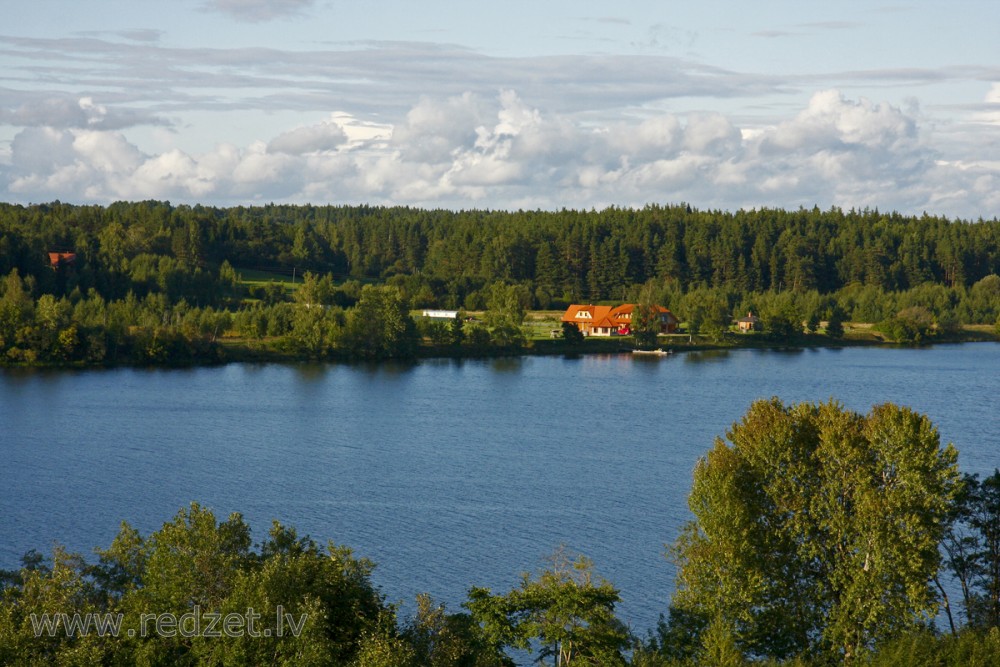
point(447, 474)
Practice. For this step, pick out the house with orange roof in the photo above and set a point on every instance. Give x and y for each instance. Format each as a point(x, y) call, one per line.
point(612, 320)
point(57, 259)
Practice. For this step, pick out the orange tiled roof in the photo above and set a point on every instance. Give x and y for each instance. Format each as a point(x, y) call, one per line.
point(57, 258)
point(605, 316)
point(597, 313)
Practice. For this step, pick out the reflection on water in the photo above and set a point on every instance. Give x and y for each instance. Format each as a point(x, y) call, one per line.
point(785, 351)
point(507, 364)
point(706, 356)
point(315, 372)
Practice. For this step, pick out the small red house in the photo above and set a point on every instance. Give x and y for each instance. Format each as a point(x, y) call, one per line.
point(749, 323)
point(57, 259)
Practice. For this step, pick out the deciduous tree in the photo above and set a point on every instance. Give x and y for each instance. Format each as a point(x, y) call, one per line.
point(816, 528)
point(379, 326)
point(566, 610)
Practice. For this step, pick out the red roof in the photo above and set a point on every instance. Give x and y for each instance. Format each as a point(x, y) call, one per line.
point(606, 316)
point(56, 259)
point(585, 314)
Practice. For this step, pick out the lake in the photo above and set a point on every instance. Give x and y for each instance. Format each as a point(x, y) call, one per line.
point(447, 473)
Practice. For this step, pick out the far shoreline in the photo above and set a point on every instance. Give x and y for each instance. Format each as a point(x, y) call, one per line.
point(270, 351)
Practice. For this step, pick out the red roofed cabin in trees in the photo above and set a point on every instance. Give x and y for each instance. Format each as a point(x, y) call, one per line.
point(57, 259)
point(612, 320)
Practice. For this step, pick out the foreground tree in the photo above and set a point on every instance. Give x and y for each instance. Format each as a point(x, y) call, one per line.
point(440, 639)
point(564, 610)
point(816, 529)
point(179, 578)
point(972, 550)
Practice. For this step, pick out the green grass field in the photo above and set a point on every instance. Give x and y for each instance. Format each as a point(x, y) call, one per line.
point(254, 278)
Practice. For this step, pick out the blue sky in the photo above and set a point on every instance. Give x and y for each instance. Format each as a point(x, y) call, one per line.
point(542, 104)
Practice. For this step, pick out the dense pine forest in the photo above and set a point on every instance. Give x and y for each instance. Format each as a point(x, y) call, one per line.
point(149, 282)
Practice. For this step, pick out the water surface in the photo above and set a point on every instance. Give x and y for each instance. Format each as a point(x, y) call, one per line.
point(446, 473)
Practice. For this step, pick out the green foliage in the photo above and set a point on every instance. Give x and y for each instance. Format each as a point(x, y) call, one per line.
point(572, 334)
point(817, 475)
point(707, 313)
point(968, 648)
point(646, 319)
point(315, 291)
point(439, 639)
point(504, 316)
point(910, 325)
point(897, 330)
point(875, 267)
point(564, 610)
point(782, 323)
point(315, 330)
point(812, 324)
point(479, 336)
point(835, 324)
point(191, 567)
point(380, 326)
point(439, 333)
point(849, 509)
point(972, 549)
point(457, 330)
point(718, 646)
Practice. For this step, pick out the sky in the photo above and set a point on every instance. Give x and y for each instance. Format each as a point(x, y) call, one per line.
point(541, 104)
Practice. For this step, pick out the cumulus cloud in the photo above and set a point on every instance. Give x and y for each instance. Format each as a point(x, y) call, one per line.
point(41, 150)
point(255, 11)
point(849, 152)
point(325, 136)
point(502, 151)
point(433, 129)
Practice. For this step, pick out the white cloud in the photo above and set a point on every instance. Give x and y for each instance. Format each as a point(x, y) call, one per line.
point(325, 136)
point(832, 122)
point(650, 138)
point(711, 134)
point(254, 11)
point(62, 111)
point(40, 150)
point(434, 129)
point(993, 97)
point(990, 113)
point(107, 152)
point(165, 176)
point(503, 152)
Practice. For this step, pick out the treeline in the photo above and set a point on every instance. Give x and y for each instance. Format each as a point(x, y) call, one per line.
point(565, 255)
point(154, 283)
point(820, 537)
point(153, 330)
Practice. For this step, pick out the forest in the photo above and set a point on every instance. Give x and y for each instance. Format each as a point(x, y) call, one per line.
point(818, 537)
point(149, 282)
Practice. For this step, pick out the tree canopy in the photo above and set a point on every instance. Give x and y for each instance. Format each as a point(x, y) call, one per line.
point(816, 528)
